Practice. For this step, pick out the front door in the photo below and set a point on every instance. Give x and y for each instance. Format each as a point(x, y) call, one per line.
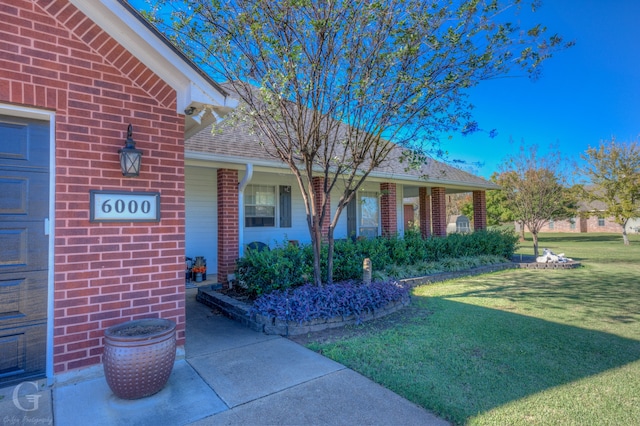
point(409, 218)
point(24, 207)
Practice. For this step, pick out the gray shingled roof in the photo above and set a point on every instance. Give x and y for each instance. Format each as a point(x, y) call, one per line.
point(591, 206)
point(237, 141)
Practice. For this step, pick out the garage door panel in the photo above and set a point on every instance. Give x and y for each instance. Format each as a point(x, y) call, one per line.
point(23, 247)
point(21, 195)
point(27, 142)
point(22, 353)
point(23, 298)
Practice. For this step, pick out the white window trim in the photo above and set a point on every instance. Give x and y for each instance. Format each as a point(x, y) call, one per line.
point(372, 194)
point(275, 205)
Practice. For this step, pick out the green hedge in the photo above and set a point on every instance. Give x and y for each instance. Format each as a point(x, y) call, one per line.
point(287, 266)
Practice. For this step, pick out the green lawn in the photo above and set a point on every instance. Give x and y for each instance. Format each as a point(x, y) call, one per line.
point(520, 346)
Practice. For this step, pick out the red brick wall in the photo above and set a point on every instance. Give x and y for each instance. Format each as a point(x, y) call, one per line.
point(561, 226)
point(439, 211)
point(388, 209)
point(228, 223)
point(53, 57)
point(589, 224)
point(424, 205)
point(479, 210)
point(609, 225)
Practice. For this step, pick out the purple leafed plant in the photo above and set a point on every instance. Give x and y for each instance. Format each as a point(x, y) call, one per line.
point(310, 302)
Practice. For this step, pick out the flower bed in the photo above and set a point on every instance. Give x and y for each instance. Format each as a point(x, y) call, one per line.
point(269, 324)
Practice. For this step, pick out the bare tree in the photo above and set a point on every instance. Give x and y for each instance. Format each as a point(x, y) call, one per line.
point(337, 88)
point(536, 189)
point(613, 170)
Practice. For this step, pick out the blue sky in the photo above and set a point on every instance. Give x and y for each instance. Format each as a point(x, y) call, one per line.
point(587, 93)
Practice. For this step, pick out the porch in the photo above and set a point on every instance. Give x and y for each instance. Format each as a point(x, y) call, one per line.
point(229, 375)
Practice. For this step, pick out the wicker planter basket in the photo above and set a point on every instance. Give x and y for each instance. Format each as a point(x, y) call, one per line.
point(139, 356)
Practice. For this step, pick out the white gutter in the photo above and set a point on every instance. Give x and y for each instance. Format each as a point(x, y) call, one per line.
point(241, 186)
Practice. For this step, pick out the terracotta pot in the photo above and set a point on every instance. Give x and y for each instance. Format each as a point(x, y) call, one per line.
point(139, 356)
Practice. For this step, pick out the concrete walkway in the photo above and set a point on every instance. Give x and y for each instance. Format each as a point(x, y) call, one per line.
point(234, 376)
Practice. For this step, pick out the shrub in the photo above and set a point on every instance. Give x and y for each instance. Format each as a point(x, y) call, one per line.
point(261, 272)
point(292, 266)
point(310, 302)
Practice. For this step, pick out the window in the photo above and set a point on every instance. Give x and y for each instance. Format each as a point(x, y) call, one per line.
point(572, 223)
point(369, 213)
point(601, 221)
point(259, 205)
point(551, 224)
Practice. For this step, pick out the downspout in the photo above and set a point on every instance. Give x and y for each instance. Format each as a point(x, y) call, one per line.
point(241, 186)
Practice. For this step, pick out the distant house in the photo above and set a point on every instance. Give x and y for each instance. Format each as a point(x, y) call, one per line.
point(591, 218)
point(459, 224)
point(237, 194)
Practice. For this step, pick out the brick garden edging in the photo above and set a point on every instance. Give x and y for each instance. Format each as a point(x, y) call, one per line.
point(445, 276)
point(240, 311)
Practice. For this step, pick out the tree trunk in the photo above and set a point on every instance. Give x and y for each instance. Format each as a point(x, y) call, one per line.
point(317, 254)
point(625, 237)
point(316, 244)
point(331, 244)
point(521, 231)
point(315, 230)
point(535, 243)
point(330, 240)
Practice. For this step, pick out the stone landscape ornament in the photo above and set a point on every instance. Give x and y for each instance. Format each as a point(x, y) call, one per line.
point(549, 257)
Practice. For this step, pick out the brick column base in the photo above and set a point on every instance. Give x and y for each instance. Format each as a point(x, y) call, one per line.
point(424, 205)
point(388, 209)
point(479, 210)
point(228, 223)
point(439, 211)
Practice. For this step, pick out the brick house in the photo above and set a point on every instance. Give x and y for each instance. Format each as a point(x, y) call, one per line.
point(591, 219)
point(238, 194)
point(73, 75)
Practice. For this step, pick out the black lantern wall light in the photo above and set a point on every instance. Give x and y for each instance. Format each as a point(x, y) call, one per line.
point(130, 157)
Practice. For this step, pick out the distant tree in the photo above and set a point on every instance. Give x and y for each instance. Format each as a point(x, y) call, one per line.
point(458, 204)
point(613, 170)
point(467, 208)
point(333, 87)
point(536, 189)
point(498, 209)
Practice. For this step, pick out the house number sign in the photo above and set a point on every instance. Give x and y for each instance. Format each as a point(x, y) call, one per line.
point(118, 206)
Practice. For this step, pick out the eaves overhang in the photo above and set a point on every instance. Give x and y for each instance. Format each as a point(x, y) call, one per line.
point(194, 88)
point(261, 164)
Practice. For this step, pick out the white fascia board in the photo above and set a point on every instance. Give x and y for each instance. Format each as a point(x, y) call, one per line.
point(195, 157)
point(390, 177)
point(126, 29)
